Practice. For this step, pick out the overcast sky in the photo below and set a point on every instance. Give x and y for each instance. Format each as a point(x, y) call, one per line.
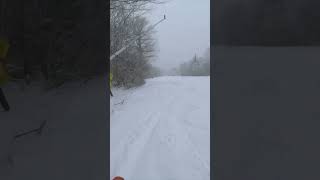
point(186, 31)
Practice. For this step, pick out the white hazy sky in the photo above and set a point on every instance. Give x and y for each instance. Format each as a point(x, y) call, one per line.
point(186, 31)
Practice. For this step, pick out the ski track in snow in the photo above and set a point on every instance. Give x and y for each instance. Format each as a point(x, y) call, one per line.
point(152, 130)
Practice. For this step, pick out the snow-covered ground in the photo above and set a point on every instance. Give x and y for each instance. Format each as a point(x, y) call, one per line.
point(158, 131)
point(161, 130)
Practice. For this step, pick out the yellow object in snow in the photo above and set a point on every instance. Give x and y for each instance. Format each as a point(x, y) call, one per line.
point(110, 81)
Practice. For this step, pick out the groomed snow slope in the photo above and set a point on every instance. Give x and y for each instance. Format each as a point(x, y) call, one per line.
point(161, 131)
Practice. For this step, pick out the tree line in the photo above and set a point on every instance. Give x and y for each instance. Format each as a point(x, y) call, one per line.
point(128, 21)
point(66, 40)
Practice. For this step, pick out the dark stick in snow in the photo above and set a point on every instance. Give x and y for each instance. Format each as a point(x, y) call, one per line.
point(36, 131)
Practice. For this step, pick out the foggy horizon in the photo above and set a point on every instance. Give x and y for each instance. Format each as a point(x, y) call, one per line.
point(184, 33)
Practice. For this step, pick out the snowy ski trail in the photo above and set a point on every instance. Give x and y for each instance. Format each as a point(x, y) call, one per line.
point(161, 131)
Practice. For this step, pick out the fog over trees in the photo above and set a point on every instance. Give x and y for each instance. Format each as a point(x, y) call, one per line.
point(195, 66)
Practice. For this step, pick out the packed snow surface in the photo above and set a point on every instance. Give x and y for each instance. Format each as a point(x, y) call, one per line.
point(161, 130)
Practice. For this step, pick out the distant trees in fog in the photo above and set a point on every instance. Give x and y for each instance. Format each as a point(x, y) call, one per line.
point(197, 66)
